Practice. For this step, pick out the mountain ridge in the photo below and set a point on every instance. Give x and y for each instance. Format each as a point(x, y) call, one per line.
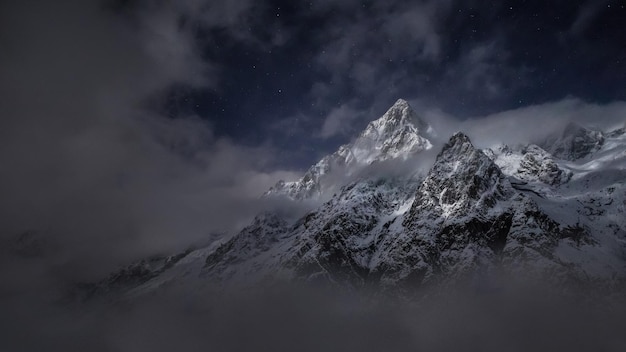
point(474, 212)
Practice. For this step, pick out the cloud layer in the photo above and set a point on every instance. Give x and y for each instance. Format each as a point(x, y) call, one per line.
point(529, 124)
point(89, 160)
point(312, 319)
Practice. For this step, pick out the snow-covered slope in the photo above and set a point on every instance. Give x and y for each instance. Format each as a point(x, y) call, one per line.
point(398, 134)
point(519, 209)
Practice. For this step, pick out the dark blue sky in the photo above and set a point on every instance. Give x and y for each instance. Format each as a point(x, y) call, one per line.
point(283, 68)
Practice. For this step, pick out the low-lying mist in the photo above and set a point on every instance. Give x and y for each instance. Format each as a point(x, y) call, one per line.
point(513, 317)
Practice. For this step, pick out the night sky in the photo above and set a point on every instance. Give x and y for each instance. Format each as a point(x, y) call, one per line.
point(307, 76)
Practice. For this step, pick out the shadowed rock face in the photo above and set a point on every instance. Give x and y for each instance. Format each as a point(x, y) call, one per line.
point(465, 215)
point(538, 164)
point(575, 143)
point(529, 164)
point(461, 179)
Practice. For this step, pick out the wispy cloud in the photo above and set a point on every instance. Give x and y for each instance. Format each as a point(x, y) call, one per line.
point(362, 48)
point(484, 70)
point(586, 15)
point(93, 163)
point(338, 122)
point(533, 124)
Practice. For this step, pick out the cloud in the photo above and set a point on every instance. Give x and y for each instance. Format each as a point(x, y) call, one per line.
point(414, 29)
point(484, 69)
point(402, 30)
point(377, 53)
point(366, 49)
point(314, 319)
point(586, 15)
point(532, 124)
point(338, 121)
point(294, 125)
point(89, 160)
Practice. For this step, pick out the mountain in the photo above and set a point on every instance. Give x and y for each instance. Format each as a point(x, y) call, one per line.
point(520, 211)
point(576, 142)
point(399, 134)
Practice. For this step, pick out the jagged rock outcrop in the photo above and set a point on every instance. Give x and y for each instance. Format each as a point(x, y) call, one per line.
point(530, 164)
point(537, 164)
point(465, 216)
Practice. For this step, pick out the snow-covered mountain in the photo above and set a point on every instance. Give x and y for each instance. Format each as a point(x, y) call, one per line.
point(523, 210)
point(398, 134)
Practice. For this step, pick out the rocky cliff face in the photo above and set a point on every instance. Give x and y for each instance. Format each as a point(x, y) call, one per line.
point(529, 164)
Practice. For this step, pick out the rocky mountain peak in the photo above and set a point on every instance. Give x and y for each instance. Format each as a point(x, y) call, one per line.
point(399, 134)
point(459, 143)
point(537, 164)
point(398, 111)
point(462, 177)
point(400, 116)
point(575, 142)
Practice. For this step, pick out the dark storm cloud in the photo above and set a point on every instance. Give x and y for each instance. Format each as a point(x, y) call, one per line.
point(89, 162)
